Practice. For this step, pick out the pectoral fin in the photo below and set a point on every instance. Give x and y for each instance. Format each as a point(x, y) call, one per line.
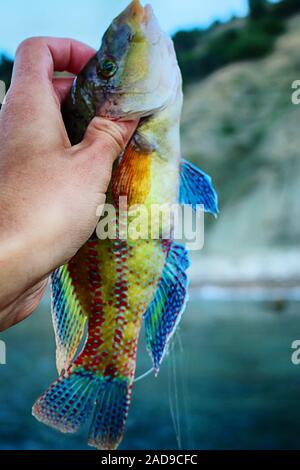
point(196, 187)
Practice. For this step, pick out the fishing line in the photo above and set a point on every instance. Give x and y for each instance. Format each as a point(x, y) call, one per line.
point(186, 399)
point(143, 376)
point(174, 370)
point(174, 406)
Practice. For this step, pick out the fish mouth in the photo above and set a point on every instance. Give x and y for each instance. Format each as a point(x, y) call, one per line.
point(137, 11)
point(142, 15)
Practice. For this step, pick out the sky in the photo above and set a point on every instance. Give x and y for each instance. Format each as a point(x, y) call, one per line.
point(86, 20)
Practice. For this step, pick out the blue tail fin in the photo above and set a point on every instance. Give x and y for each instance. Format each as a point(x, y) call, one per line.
point(68, 401)
point(111, 411)
point(71, 399)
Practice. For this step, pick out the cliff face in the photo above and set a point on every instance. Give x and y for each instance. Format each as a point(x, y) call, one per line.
point(241, 127)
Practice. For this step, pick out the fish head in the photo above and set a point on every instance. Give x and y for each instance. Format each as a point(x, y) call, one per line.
point(135, 73)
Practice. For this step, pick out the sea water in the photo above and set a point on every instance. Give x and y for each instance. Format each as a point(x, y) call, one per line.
point(227, 383)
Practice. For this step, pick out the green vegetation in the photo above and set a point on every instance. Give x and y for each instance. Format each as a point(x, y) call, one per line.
point(257, 9)
point(201, 52)
point(6, 66)
point(286, 8)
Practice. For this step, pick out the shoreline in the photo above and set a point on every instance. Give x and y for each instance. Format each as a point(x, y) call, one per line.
point(245, 291)
point(267, 275)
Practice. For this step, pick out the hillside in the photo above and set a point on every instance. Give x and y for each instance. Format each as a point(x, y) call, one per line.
point(240, 126)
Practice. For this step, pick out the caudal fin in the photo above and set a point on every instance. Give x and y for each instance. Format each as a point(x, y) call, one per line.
point(68, 402)
point(111, 411)
point(71, 399)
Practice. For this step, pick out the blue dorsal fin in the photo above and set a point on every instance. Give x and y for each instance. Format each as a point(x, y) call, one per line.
point(196, 187)
point(164, 313)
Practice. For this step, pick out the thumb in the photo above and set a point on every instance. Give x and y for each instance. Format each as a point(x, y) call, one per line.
point(105, 139)
point(92, 164)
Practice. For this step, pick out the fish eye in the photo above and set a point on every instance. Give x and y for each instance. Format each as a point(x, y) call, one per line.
point(108, 68)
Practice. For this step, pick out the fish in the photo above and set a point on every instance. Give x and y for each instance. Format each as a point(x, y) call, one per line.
point(103, 296)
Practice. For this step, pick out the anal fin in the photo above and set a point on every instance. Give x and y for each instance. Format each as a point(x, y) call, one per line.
point(164, 313)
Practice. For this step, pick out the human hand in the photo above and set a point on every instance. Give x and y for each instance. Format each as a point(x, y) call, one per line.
point(49, 190)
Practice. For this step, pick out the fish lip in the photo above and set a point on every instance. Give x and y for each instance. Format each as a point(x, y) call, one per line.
point(136, 9)
point(144, 14)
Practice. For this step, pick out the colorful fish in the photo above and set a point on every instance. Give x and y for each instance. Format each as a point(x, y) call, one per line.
point(111, 286)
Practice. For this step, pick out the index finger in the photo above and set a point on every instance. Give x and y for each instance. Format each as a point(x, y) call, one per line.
point(40, 57)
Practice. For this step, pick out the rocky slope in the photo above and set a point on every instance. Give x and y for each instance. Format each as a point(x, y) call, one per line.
point(241, 127)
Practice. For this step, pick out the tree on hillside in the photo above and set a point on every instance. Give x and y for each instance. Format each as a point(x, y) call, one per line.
point(257, 8)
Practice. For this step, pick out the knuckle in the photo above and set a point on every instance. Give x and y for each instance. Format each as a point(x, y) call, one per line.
point(28, 43)
point(111, 133)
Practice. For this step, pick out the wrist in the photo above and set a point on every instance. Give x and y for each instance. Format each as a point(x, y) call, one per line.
point(16, 274)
